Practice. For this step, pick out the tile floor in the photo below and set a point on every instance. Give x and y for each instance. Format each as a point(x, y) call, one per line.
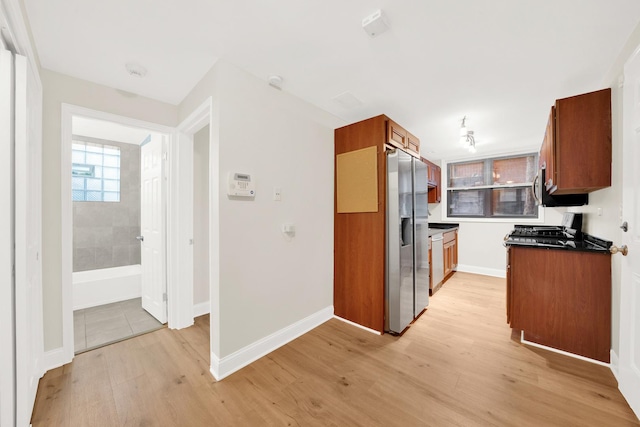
point(106, 324)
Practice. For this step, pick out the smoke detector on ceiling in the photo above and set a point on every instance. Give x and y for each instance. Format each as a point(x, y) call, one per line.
point(375, 24)
point(275, 81)
point(136, 70)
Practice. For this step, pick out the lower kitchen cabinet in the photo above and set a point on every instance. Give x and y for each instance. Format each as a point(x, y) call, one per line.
point(561, 299)
point(450, 253)
point(449, 260)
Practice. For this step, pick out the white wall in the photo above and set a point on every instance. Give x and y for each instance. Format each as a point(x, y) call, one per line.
point(201, 216)
point(266, 281)
point(60, 89)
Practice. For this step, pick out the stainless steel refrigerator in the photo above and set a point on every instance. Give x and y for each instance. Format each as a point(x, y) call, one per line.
point(407, 263)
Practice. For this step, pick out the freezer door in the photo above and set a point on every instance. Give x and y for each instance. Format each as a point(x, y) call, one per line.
point(421, 237)
point(399, 253)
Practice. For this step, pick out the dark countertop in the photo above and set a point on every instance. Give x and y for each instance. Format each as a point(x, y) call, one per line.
point(441, 227)
point(587, 244)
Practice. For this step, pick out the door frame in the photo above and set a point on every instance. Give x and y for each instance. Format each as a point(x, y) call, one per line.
point(7, 252)
point(16, 407)
point(180, 217)
point(68, 111)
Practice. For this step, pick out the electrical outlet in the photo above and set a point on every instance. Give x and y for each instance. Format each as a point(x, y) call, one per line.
point(599, 211)
point(277, 194)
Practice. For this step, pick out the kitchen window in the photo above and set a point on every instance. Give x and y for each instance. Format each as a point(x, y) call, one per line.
point(498, 187)
point(95, 172)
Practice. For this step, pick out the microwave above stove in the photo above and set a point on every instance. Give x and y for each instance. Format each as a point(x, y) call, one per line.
point(544, 198)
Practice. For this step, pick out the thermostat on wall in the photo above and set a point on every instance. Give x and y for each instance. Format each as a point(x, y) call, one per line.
point(241, 185)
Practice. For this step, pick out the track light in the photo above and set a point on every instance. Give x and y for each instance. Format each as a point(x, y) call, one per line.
point(467, 138)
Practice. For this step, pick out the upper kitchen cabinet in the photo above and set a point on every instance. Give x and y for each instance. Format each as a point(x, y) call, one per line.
point(576, 151)
point(399, 137)
point(434, 181)
point(413, 145)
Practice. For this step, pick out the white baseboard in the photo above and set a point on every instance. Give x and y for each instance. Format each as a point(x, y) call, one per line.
point(221, 368)
point(565, 353)
point(615, 365)
point(201, 309)
point(107, 285)
point(494, 272)
point(54, 359)
point(373, 331)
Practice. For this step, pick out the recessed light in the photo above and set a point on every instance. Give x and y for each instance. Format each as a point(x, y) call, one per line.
point(275, 81)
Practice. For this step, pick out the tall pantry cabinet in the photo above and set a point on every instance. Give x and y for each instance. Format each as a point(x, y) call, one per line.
point(359, 236)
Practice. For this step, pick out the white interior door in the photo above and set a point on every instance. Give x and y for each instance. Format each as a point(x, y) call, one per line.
point(629, 357)
point(7, 327)
point(28, 293)
point(152, 225)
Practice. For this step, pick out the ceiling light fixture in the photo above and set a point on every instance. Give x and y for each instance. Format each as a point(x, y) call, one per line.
point(467, 138)
point(135, 69)
point(463, 128)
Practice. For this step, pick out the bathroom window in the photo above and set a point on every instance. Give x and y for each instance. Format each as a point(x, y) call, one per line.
point(95, 172)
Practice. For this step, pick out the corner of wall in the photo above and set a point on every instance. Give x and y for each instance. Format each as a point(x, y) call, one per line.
point(221, 368)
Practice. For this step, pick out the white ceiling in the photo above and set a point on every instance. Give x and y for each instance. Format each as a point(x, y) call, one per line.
point(502, 63)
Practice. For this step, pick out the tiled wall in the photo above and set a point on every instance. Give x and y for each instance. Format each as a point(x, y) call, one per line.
point(104, 233)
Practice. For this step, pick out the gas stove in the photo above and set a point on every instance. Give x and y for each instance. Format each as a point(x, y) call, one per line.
point(531, 231)
point(566, 236)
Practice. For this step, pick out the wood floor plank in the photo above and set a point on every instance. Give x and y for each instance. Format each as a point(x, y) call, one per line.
point(459, 364)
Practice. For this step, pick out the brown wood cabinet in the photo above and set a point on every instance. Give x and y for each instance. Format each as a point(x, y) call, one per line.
point(359, 237)
point(561, 299)
point(398, 137)
point(413, 145)
point(450, 246)
point(576, 150)
point(434, 177)
point(450, 259)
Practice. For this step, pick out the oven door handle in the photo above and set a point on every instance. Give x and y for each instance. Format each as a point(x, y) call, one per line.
point(534, 185)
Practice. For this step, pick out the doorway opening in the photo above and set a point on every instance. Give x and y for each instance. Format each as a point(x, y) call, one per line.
point(193, 248)
point(106, 190)
point(113, 278)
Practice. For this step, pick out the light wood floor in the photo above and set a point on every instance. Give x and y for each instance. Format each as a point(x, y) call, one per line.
point(458, 365)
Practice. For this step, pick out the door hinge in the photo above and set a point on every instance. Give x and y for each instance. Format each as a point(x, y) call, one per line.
point(164, 297)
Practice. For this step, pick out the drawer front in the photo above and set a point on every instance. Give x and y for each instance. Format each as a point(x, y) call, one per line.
point(449, 236)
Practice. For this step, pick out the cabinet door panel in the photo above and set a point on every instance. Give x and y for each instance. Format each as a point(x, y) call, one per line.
point(583, 143)
point(562, 299)
point(546, 160)
point(396, 135)
point(413, 145)
point(438, 180)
